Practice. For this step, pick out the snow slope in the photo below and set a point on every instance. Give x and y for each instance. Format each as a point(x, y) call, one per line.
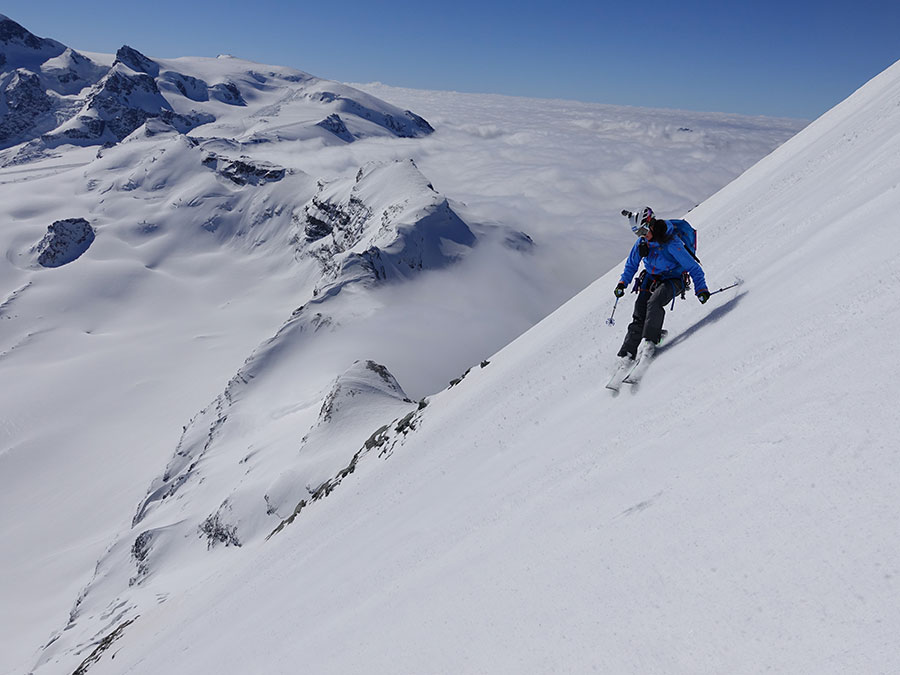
point(737, 513)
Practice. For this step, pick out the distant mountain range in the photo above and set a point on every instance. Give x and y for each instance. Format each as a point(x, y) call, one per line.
point(51, 94)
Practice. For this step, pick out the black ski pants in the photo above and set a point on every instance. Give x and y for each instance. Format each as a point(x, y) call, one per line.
point(649, 313)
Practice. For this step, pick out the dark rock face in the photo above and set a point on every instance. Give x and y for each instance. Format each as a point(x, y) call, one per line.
point(243, 171)
point(26, 101)
point(322, 216)
point(335, 125)
point(189, 87)
point(25, 94)
point(65, 241)
point(112, 102)
point(315, 228)
point(227, 92)
point(11, 32)
point(88, 129)
point(136, 61)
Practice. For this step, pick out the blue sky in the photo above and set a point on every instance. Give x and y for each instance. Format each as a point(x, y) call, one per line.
point(785, 58)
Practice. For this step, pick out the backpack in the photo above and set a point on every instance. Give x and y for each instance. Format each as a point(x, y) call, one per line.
point(688, 236)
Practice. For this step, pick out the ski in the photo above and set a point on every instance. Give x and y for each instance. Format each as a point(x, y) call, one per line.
point(620, 373)
point(636, 373)
point(644, 357)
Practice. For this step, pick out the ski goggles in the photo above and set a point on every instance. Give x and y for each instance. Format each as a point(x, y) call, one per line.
point(642, 229)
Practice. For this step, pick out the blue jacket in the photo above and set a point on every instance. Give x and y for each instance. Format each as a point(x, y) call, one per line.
point(665, 261)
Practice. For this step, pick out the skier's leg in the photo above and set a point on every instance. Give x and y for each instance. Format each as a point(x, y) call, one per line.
point(636, 327)
point(656, 308)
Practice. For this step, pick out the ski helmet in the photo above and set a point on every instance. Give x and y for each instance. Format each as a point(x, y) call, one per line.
point(640, 221)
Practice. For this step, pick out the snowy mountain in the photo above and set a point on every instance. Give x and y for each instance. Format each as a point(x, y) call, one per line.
point(227, 289)
point(358, 230)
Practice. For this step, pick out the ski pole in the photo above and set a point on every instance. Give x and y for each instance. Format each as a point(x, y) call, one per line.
point(611, 321)
point(736, 283)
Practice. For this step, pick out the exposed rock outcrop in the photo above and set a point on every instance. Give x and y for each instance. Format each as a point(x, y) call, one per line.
point(65, 241)
point(245, 171)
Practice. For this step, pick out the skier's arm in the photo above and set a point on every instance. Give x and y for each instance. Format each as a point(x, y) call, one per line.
point(631, 264)
point(687, 261)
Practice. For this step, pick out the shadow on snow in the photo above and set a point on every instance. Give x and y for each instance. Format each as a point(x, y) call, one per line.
point(712, 317)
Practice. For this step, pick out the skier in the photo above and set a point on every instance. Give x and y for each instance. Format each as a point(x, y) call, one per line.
point(666, 259)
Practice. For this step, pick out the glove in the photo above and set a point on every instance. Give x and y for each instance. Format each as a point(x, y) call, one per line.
point(620, 289)
point(643, 248)
point(703, 296)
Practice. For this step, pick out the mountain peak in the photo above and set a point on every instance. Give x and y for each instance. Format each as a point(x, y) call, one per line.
point(17, 44)
point(12, 32)
point(136, 61)
point(362, 381)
